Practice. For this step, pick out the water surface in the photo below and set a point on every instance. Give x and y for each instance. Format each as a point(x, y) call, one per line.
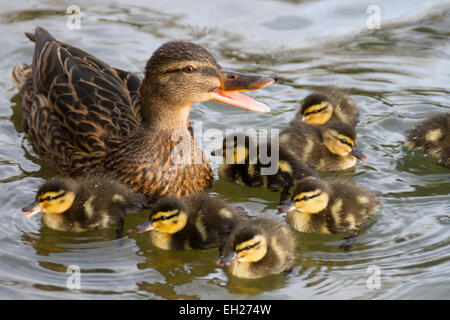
point(398, 75)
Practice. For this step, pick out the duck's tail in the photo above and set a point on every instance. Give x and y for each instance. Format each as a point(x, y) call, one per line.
point(19, 75)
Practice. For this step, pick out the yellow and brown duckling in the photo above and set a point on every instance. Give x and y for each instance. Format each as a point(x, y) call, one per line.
point(331, 147)
point(325, 207)
point(327, 105)
point(243, 164)
point(432, 136)
point(258, 248)
point(198, 222)
point(83, 205)
point(85, 117)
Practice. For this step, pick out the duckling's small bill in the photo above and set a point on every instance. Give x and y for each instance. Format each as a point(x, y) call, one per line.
point(358, 154)
point(144, 227)
point(228, 259)
point(32, 209)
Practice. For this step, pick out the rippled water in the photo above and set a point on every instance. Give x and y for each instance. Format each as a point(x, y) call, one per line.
point(398, 75)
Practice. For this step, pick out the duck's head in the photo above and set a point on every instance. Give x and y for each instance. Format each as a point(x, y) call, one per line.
point(181, 73)
point(316, 109)
point(167, 216)
point(340, 139)
point(55, 196)
point(237, 149)
point(247, 244)
point(309, 196)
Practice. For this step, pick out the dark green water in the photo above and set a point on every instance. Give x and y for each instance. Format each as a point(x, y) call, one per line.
point(398, 75)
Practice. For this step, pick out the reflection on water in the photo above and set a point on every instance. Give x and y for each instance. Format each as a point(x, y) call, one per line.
point(398, 75)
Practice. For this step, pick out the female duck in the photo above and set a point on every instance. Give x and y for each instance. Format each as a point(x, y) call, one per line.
point(199, 222)
point(82, 205)
point(259, 248)
point(85, 117)
point(433, 137)
point(243, 165)
point(331, 147)
point(328, 105)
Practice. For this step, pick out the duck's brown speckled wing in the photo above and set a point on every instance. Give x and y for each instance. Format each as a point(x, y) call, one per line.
point(81, 104)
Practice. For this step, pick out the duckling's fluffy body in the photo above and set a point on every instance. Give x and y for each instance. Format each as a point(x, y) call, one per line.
point(326, 207)
point(249, 172)
point(326, 105)
point(258, 248)
point(319, 147)
point(433, 137)
point(85, 204)
point(198, 222)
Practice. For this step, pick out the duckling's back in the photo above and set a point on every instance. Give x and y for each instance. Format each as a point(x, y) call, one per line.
point(211, 220)
point(433, 137)
point(303, 141)
point(350, 205)
point(102, 201)
point(300, 140)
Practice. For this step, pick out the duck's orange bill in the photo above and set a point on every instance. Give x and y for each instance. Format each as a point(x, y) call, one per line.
point(32, 209)
point(233, 82)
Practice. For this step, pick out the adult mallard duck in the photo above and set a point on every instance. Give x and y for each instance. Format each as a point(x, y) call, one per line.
point(84, 117)
point(83, 204)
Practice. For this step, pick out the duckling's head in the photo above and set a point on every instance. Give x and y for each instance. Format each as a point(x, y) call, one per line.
point(317, 109)
point(181, 73)
point(309, 196)
point(340, 139)
point(167, 216)
point(247, 244)
point(237, 149)
point(55, 196)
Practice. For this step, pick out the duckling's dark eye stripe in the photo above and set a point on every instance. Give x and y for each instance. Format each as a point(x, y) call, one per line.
point(52, 197)
point(344, 142)
point(315, 111)
point(165, 217)
point(248, 247)
point(309, 197)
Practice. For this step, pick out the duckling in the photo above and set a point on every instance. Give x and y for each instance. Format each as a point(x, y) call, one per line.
point(331, 147)
point(433, 137)
point(85, 204)
point(198, 222)
point(325, 207)
point(328, 105)
point(280, 173)
point(258, 248)
point(84, 117)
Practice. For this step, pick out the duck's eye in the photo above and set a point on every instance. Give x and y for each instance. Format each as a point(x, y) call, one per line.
point(188, 69)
